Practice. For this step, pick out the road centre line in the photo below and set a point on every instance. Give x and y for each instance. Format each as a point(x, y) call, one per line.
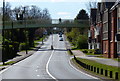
point(47, 65)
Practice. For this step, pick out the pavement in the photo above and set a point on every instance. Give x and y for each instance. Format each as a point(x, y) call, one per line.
point(47, 64)
point(21, 55)
point(106, 61)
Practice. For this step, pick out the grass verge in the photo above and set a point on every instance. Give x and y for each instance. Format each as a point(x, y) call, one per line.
point(98, 65)
point(8, 63)
point(70, 53)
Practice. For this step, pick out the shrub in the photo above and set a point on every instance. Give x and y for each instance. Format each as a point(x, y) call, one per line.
point(22, 46)
point(85, 51)
point(91, 51)
point(97, 51)
point(82, 42)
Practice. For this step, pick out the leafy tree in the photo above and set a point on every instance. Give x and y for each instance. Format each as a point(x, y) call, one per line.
point(82, 15)
point(82, 42)
point(14, 37)
point(77, 36)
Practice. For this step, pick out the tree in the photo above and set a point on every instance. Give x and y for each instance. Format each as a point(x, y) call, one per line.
point(82, 42)
point(90, 5)
point(82, 15)
point(8, 12)
point(45, 14)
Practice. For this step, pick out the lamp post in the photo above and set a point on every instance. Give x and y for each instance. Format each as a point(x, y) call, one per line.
point(3, 49)
point(26, 31)
point(42, 36)
point(52, 42)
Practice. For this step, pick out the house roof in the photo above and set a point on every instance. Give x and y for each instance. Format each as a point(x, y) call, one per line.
point(116, 3)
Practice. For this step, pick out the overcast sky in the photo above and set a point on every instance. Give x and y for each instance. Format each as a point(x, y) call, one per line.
point(65, 9)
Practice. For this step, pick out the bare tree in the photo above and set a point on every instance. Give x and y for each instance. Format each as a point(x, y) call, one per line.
point(45, 14)
point(90, 5)
point(8, 11)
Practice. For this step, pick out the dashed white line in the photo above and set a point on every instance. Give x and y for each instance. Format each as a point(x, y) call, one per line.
point(38, 75)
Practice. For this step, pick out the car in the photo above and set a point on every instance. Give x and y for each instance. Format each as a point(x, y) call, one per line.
point(61, 39)
point(60, 35)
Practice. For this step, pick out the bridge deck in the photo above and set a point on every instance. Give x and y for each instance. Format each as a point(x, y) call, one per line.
point(44, 24)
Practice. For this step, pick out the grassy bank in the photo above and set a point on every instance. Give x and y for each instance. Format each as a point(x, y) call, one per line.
point(100, 66)
point(8, 63)
point(39, 40)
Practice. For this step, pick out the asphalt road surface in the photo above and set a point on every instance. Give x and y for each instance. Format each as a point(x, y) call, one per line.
point(46, 64)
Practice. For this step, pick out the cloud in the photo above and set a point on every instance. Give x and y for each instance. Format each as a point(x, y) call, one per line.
point(67, 17)
point(63, 13)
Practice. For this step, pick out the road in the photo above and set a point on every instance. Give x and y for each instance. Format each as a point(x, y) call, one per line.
point(46, 64)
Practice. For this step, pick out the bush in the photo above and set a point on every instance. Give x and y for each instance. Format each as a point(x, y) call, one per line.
point(91, 51)
point(97, 51)
point(82, 42)
point(85, 51)
point(22, 46)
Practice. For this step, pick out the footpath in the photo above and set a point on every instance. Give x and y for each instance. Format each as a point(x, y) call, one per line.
point(106, 61)
point(20, 56)
point(80, 54)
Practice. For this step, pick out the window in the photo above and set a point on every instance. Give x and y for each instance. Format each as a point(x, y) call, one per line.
point(119, 11)
point(104, 47)
point(89, 33)
point(105, 31)
point(118, 23)
point(118, 47)
point(105, 27)
point(105, 16)
point(105, 36)
point(119, 18)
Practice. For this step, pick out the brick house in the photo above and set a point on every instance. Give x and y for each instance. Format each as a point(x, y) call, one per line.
point(118, 28)
point(106, 32)
point(98, 34)
point(106, 28)
point(91, 32)
point(115, 30)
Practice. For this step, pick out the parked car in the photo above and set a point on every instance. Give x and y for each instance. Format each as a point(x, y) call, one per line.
point(61, 39)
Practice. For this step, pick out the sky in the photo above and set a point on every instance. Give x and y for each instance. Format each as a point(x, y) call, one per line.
point(64, 9)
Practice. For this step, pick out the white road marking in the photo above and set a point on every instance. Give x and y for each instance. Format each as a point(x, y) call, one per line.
point(38, 75)
point(4, 69)
point(48, 65)
point(81, 71)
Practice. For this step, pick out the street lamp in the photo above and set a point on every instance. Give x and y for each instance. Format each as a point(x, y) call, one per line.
point(3, 49)
point(25, 30)
point(52, 42)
